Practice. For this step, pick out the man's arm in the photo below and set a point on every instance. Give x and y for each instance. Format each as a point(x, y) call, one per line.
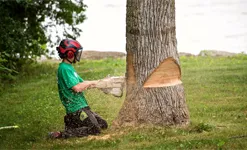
point(84, 85)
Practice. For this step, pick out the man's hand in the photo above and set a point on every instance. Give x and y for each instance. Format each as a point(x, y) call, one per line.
point(84, 85)
point(93, 83)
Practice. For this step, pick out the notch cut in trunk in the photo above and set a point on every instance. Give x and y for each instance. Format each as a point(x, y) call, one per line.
point(168, 73)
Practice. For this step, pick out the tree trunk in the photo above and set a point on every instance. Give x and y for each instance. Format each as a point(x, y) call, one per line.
point(150, 40)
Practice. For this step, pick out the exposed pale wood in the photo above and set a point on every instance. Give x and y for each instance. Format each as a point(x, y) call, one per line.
point(168, 73)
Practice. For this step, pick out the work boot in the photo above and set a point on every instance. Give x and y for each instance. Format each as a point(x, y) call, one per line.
point(55, 135)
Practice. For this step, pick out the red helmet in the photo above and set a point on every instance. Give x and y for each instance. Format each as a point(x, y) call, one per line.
point(69, 48)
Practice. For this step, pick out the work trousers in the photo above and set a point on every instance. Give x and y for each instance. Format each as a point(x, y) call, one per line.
point(76, 125)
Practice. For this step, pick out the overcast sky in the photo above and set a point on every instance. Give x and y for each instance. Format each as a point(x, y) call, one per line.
point(211, 24)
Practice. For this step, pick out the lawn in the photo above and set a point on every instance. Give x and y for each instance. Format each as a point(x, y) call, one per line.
point(216, 94)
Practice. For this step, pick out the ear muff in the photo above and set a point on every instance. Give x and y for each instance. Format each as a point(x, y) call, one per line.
point(70, 54)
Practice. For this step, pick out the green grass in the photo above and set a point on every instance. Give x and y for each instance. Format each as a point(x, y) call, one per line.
point(216, 94)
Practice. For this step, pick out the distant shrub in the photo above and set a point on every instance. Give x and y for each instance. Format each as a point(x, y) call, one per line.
point(6, 73)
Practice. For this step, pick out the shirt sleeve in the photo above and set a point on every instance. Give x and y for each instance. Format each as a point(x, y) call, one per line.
point(70, 78)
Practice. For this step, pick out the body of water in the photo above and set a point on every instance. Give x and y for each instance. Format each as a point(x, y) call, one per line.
point(200, 24)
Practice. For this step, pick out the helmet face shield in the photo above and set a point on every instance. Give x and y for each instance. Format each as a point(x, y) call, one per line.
point(78, 55)
point(69, 48)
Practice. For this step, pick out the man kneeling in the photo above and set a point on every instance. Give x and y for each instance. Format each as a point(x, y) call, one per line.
point(70, 88)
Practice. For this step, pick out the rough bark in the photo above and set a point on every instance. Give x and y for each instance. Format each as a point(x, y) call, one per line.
point(150, 39)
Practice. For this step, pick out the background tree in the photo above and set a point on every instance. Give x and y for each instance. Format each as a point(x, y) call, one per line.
point(150, 40)
point(28, 25)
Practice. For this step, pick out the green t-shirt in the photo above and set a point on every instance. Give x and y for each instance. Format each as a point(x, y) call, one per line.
point(66, 79)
